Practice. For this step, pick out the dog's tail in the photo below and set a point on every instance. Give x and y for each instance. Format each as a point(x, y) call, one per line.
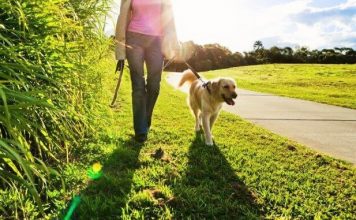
point(188, 76)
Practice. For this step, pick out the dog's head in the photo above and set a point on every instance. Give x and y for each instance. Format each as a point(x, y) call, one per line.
point(224, 89)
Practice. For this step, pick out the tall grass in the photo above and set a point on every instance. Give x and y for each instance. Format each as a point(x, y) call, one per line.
point(46, 91)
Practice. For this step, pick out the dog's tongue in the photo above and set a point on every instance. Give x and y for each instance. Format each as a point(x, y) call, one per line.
point(231, 102)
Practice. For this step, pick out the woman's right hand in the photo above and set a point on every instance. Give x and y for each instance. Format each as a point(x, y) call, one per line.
point(120, 65)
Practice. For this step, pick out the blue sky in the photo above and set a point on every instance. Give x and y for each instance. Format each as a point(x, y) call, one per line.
point(238, 23)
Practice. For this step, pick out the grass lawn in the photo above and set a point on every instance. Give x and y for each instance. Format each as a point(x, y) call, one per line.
point(249, 174)
point(330, 84)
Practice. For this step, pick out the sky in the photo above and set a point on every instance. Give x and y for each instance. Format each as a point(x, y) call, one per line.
point(237, 24)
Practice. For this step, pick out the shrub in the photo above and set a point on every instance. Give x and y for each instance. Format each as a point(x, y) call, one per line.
point(46, 90)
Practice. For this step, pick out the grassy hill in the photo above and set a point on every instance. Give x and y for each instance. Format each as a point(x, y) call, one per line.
point(330, 84)
point(249, 174)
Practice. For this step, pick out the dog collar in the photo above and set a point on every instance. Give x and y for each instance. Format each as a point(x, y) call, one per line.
point(205, 85)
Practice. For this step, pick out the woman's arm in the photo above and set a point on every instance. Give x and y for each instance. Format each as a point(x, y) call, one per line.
point(121, 26)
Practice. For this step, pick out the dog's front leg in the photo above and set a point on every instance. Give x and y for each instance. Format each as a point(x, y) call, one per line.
point(206, 126)
point(212, 120)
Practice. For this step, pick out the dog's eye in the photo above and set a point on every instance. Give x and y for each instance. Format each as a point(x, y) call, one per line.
point(234, 87)
point(226, 87)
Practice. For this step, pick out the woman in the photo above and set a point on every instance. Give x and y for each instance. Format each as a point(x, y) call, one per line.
point(145, 33)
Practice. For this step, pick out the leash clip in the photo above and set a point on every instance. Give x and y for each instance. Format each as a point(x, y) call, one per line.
point(206, 86)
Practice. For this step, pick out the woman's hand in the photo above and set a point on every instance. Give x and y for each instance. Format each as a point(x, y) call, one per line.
point(120, 65)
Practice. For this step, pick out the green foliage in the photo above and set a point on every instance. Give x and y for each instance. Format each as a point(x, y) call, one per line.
point(330, 84)
point(46, 92)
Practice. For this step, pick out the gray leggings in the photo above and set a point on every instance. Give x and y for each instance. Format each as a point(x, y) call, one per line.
point(144, 48)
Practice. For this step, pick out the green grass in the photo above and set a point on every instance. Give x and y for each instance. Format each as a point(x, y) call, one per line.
point(330, 84)
point(47, 91)
point(249, 174)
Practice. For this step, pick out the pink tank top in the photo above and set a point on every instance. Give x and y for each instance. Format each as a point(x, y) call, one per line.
point(146, 17)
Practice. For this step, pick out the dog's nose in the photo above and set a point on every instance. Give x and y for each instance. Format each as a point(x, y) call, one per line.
point(234, 95)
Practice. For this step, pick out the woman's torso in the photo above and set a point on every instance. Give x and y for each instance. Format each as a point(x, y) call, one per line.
point(146, 17)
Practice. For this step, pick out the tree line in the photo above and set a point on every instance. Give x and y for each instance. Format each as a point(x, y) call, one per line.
point(214, 56)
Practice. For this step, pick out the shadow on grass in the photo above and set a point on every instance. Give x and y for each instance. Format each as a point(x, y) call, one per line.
point(105, 198)
point(210, 188)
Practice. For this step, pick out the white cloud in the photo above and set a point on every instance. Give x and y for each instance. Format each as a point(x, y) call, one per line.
point(326, 27)
point(317, 28)
point(321, 35)
point(305, 35)
point(348, 4)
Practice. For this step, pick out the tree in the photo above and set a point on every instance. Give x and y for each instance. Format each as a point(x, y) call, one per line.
point(258, 45)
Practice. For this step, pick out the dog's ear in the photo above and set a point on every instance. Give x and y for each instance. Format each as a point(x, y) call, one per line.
point(214, 85)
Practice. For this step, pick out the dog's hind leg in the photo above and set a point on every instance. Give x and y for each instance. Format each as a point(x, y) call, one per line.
point(196, 112)
point(207, 130)
point(200, 120)
point(197, 116)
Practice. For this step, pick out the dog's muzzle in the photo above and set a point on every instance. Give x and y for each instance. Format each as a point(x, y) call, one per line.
point(230, 100)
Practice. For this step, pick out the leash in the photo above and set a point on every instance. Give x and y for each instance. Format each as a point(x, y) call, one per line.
point(205, 84)
point(112, 105)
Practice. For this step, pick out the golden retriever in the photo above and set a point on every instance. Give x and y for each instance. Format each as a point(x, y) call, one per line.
point(205, 103)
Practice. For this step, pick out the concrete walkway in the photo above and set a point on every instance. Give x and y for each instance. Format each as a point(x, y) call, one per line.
point(325, 128)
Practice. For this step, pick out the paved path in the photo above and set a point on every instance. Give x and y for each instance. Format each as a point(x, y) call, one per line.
point(325, 128)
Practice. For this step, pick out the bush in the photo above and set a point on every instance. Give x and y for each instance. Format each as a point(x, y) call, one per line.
point(46, 91)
